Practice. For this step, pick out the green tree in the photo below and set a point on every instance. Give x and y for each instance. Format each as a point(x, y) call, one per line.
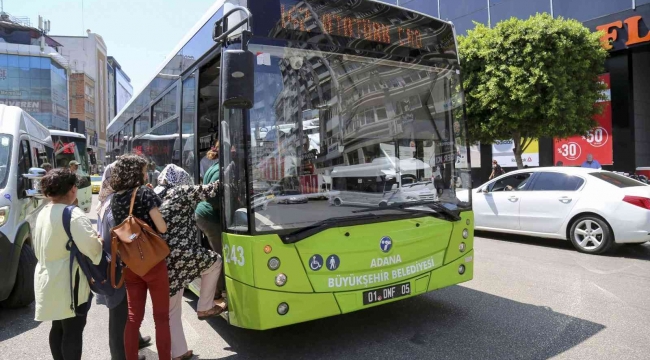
point(527, 79)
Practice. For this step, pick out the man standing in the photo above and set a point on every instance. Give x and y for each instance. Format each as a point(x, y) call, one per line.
point(74, 166)
point(591, 163)
point(496, 170)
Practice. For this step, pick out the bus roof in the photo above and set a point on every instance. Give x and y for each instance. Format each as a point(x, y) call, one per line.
point(176, 51)
point(14, 120)
point(185, 53)
point(67, 133)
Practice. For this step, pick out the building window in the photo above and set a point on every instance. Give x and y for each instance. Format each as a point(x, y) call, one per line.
point(90, 107)
point(90, 91)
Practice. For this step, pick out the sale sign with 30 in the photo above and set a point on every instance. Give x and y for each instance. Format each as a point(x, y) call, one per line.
point(597, 142)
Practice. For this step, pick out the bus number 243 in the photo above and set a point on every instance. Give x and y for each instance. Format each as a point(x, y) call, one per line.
point(234, 254)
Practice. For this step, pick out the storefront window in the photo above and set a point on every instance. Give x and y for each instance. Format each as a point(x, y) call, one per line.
point(583, 10)
point(463, 13)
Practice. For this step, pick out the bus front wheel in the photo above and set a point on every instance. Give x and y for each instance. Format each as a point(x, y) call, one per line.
point(23, 291)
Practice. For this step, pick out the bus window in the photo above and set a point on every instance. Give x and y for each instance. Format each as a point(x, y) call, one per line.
point(24, 163)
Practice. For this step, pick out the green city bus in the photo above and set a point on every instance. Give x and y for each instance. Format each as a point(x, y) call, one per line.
point(363, 95)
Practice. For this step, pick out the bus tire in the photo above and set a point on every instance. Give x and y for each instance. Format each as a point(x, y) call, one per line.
point(23, 292)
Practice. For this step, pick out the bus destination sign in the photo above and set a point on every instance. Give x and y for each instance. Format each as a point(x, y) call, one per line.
point(334, 21)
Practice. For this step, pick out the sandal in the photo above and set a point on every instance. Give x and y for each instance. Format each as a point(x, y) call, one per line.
point(215, 311)
point(187, 356)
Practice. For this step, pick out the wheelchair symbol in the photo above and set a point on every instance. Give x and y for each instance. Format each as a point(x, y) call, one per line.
point(316, 262)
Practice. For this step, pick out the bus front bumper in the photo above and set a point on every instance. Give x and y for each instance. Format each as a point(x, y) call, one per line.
point(257, 309)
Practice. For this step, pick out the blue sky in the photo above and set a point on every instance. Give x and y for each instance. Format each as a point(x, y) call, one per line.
point(138, 33)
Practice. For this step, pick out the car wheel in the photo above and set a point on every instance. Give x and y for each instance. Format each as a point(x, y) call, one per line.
point(23, 291)
point(591, 235)
point(337, 202)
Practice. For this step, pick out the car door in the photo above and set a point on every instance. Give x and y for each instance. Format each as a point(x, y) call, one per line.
point(496, 205)
point(551, 198)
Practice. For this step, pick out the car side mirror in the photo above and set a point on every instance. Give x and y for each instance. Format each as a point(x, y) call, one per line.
point(394, 187)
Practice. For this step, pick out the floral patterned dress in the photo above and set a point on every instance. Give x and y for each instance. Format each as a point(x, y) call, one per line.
point(187, 258)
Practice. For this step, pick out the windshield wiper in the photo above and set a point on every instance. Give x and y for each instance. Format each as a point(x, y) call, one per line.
point(406, 206)
point(319, 226)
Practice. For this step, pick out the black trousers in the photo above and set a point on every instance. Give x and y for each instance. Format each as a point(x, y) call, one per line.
point(66, 336)
point(117, 318)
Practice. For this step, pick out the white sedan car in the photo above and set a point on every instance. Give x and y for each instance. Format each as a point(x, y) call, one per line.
point(592, 208)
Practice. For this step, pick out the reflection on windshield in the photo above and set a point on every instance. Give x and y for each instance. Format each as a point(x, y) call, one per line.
point(349, 132)
point(5, 152)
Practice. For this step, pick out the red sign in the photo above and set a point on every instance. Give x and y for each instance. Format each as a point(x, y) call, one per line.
point(598, 141)
point(68, 148)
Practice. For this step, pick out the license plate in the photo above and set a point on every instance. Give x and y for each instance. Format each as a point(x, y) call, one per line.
point(387, 293)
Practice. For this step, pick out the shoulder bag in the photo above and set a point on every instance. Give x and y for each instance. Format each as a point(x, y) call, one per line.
point(138, 246)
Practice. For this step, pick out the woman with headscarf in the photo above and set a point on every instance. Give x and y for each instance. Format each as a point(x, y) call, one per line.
point(117, 304)
point(187, 259)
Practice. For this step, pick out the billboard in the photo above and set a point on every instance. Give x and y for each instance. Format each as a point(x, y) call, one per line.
point(573, 151)
point(503, 152)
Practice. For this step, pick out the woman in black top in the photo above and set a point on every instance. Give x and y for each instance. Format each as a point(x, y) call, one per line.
point(130, 173)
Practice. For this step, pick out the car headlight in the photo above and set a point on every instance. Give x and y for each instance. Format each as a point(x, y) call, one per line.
point(293, 198)
point(4, 214)
point(411, 198)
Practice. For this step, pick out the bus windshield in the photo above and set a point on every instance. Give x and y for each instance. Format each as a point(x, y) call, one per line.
point(5, 152)
point(362, 128)
point(68, 148)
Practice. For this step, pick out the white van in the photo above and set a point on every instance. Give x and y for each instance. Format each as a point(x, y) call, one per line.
point(24, 144)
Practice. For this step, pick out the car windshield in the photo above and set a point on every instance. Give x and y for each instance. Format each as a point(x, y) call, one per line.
point(360, 127)
point(5, 158)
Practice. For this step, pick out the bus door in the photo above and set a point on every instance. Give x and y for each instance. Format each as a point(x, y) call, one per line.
point(209, 113)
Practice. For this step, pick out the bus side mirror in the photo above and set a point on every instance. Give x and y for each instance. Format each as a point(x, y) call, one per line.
point(238, 66)
point(34, 175)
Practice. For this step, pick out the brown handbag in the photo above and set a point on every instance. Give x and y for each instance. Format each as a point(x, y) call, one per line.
point(138, 246)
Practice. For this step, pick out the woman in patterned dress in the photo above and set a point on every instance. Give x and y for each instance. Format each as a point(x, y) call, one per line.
point(187, 259)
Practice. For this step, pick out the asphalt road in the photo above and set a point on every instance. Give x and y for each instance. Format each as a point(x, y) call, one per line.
point(530, 299)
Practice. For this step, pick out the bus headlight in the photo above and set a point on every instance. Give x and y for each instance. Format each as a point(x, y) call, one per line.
point(274, 263)
point(280, 279)
point(4, 214)
point(461, 269)
point(465, 234)
point(461, 247)
point(283, 308)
